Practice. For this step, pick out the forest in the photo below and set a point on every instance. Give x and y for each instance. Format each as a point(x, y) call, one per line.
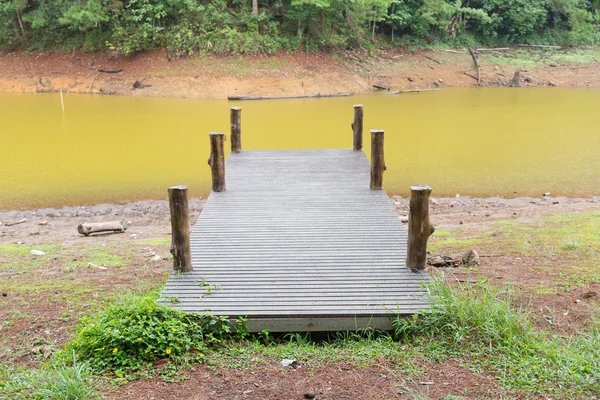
point(197, 27)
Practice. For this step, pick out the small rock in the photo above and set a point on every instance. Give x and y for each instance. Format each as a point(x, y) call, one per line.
point(546, 194)
point(37, 252)
point(156, 258)
point(4, 294)
point(128, 222)
point(457, 195)
point(43, 223)
point(309, 395)
point(556, 202)
point(410, 79)
point(286, 362)
point(550, 83)
point(577, 301)
point(133, 235)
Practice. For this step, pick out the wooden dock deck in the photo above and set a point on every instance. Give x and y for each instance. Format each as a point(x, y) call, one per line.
point(299, 242)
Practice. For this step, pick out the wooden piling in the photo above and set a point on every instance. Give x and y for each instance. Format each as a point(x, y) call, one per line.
point(217, 161)
point(377, 159)
point(419, 227)
point(236, 129)
point(180, 229)
point(357, 126)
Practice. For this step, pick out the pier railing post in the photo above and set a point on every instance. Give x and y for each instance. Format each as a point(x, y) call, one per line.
point(180, 229)
point(357, 126)
point(217, 161)
point(236, 129)
point(419, 227)
point(377, 159)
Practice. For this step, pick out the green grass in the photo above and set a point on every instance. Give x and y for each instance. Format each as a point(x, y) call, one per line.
point(155, 242)
point(530, 58)
point(55, 382)
point(20, 250)
point(480, 323)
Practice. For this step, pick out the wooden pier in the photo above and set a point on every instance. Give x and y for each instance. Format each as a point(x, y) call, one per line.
point(298, 240)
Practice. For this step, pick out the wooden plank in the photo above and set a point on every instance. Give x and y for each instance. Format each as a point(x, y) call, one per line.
point(299, 242)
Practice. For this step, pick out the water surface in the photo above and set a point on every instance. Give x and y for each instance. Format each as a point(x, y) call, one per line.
point(476, 142)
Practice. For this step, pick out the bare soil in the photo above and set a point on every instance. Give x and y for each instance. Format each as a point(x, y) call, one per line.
point(43, 298)
point(278, 75)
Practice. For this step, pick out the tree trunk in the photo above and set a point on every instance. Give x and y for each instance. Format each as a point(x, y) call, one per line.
point(419, 227)
point(180, 229)
point(377, 159)
point(217, 161)
point(254, 6)
point(20, 22)
point(236, 129)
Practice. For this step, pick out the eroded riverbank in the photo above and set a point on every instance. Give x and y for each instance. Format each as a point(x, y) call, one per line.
point(290, 74)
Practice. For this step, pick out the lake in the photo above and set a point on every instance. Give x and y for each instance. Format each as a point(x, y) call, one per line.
point(475, 142)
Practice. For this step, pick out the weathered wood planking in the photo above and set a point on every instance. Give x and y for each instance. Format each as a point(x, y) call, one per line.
point(299, 242)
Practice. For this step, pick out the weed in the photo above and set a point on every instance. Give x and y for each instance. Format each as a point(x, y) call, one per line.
point(479, 321)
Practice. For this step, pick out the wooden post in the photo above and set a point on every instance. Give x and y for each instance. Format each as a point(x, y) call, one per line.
point(377, 159)
point(419, 227)
point(217, 161)
point(236, 129)
point(180, 229)
point(357, 126)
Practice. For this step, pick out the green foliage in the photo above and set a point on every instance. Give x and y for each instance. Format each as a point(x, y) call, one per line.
point(230, 27)
point(134, 332)
point(57, 382)
point(478, 321)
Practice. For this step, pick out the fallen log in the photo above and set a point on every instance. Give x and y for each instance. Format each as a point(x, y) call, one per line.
point(413, 91)
point(381, 87)
point(539, 46)
point(455, 51)
point(110, 71)
point(310, 96)
point(467, 259)
point(16, 222)
point(95, 227)
point(493, 49)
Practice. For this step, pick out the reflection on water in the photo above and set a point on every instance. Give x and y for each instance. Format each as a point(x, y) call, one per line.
point(477, 142)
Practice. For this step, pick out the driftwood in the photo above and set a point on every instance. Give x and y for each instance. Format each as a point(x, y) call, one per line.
point(139, 85)
point(538, 46)
point(95, 227)
point(413, 91)
point(381, 87)
point(476, 61)
point(419, 227)
point(180, 229)
point(92, 82)
point(494, 49)
point(16, 222)
point(432, 59)
point(469, 258)
point(110, 71)
point(310, 96)
point(455, 51)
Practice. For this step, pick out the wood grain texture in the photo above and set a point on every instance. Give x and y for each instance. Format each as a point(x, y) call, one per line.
point(180, 229)
point(419, 227)
point(357, 127)
point(236, 129)
point(377, 160)
point(216, 161)
point(299, 234)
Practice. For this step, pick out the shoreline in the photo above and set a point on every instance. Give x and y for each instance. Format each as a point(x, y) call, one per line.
point(150, 218)
point(296, 74)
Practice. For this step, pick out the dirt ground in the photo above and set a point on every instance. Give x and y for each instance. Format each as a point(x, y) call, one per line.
point(43, 298)
point(285, 74)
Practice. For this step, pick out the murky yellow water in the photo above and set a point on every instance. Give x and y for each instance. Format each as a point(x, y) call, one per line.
point(477, 142)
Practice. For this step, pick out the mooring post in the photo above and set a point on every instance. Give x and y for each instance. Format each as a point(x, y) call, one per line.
point(217, 161)
point(357, 126)
point(180, 229)
point(419, 227)
point(236, 129)
point(377, 159)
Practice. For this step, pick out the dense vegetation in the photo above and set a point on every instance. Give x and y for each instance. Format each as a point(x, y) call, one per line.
point(251, 26)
